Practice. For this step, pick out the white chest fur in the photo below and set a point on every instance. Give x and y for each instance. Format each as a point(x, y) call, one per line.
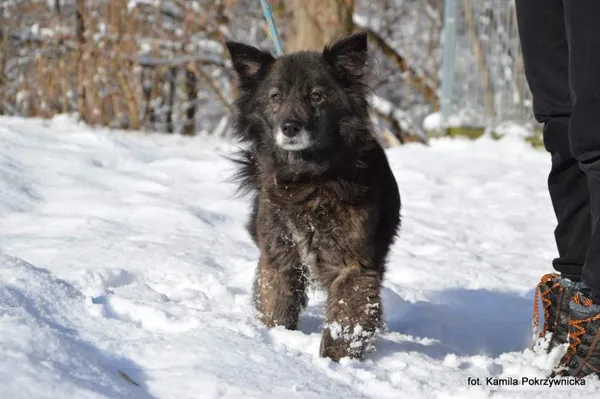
point(304, 243)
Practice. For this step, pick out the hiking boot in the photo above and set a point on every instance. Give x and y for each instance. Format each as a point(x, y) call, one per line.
point(583, 355)
point(556, 293)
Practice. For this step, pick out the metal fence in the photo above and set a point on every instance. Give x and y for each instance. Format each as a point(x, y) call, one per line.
point(483, 80)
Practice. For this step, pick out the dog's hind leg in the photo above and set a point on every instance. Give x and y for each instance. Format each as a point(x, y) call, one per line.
point(279, 294)
point(354, 314)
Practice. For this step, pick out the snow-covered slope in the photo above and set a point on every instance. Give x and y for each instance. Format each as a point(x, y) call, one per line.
point(125, 271)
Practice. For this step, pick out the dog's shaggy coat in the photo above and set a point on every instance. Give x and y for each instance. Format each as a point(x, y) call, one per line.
point(326, 205)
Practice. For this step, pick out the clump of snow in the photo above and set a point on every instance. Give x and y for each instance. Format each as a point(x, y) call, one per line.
point(432, 122)
point(435, 122)
point(126, 272)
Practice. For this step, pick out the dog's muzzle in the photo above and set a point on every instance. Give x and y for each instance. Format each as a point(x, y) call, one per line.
point(291, 136)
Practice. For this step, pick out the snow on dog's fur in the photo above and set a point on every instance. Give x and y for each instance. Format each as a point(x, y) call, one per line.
point(326, 205)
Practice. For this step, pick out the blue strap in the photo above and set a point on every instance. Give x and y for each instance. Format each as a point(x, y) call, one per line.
point(272, 27)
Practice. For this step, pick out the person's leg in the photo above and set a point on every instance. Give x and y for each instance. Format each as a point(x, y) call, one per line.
point(582, 20)
point(546, 58)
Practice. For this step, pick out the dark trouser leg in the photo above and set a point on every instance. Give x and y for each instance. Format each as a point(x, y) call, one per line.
point(546, 57)
point(582, 20)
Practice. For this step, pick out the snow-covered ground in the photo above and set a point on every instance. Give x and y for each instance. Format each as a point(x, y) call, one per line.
point(125, 271)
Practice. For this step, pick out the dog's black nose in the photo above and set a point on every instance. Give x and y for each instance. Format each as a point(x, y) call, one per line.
point(291, 128)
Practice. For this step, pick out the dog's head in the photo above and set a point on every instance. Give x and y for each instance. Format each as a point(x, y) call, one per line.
point(304, 102)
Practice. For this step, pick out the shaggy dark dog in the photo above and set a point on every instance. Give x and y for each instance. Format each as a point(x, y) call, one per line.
point(326, 206)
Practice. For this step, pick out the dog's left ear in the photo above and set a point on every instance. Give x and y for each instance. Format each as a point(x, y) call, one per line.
point(348, 57)
point(249, 62)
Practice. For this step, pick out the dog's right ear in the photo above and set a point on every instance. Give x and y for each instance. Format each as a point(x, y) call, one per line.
point(249, 62)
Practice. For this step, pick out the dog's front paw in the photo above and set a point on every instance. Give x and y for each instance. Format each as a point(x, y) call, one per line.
point(335, 346)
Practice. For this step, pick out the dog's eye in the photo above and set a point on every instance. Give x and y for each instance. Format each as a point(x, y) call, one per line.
point(316, 97)
point(276, 97)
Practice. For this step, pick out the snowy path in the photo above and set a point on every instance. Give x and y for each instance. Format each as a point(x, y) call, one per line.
point(125, 255)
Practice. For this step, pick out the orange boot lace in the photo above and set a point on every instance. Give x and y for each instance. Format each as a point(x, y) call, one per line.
point(576, 330)
point(547, 303)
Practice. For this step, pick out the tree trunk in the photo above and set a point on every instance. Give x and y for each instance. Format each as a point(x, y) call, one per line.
point(191, 87)
point(171, 82)
point(80, 35)
point(132, 106)
point(314, 23)
point(2, 78)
